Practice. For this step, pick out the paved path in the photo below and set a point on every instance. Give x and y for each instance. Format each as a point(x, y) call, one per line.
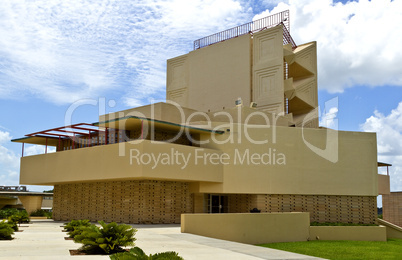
point(44, 240)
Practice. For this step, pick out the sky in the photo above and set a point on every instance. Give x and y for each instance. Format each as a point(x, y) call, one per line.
point(93, 57)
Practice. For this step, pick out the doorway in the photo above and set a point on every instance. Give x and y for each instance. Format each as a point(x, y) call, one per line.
point(218, 204)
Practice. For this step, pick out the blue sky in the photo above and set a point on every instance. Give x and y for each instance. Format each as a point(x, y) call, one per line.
point(56, 53)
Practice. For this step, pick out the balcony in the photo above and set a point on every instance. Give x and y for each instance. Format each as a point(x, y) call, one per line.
point(134, 160)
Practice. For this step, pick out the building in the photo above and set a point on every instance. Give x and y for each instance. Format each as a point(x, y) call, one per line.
point(20, 198)
point(239, 132)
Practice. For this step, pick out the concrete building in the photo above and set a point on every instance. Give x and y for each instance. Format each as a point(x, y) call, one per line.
point(19, 197)
point(239, 132)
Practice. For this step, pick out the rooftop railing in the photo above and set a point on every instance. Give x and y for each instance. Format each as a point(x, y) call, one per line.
point(251, 27)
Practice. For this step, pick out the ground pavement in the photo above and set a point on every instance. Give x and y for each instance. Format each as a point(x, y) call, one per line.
point(44, 240)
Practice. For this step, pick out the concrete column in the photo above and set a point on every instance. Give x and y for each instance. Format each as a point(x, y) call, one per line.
point(31, 203)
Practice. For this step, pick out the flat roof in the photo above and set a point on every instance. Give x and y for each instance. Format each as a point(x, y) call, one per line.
point(381, 164)
point(26, 193)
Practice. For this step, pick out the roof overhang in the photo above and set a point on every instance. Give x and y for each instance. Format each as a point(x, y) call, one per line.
point(382, 164)
point(131, 122)
point(52, 137)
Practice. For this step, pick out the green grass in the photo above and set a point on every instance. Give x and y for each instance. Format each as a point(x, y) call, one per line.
point(339, 224)
point(392, 249)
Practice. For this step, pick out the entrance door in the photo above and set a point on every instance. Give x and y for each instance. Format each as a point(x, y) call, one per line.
point(218, 204)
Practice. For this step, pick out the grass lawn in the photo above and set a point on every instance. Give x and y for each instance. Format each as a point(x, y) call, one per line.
point(392, 249)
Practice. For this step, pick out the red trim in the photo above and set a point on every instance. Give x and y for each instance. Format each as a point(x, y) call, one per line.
point(23, 144)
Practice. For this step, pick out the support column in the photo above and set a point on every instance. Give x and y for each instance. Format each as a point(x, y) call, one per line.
point(31, 203)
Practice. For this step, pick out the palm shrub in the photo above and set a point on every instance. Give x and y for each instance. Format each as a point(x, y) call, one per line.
point(5, 213)
point(75, 227)
point(20, 217)
point(70, 226)
point(136, 253)
point(5, 231)
point(38, 213)
point(13, 225)
point(107, 239)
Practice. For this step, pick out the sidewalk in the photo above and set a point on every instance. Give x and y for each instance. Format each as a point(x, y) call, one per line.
point(43, 239)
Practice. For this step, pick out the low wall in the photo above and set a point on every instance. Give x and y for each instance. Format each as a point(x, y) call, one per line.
point(359, 233)
point(249, 228)
point(393, 231)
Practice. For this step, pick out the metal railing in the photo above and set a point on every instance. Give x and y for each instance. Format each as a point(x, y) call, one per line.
point(251, 27)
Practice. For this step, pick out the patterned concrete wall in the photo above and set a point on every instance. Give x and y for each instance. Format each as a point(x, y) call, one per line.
point(346, 209)
point(123, 201)
point(392, 208)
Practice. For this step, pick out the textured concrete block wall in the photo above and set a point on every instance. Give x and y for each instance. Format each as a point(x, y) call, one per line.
point(123, 201)
point(326, 208)
point(392, 208)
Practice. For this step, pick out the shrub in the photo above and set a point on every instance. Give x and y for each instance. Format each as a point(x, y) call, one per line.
point(70, 226)
point(13, 225)
point(38, 213)
point(108, 239)
point(5, 231)
point(6, 213)
point(49, 215)
point(136, 253)
point(20, 217)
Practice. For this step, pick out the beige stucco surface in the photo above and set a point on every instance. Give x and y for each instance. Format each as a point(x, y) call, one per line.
point(31, 203)
point(249, 228)
point(213, 77)
point(383, 184)
point(358, 233)
point(233, 166)
point(105, 163)
point(393, 231)
point(304, 171)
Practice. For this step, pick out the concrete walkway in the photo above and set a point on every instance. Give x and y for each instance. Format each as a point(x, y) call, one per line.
point(44, 240)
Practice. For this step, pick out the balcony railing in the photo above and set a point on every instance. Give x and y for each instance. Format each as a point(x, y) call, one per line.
point(251, 27)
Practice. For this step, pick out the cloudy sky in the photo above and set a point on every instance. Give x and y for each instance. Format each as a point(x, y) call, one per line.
point(57, 54)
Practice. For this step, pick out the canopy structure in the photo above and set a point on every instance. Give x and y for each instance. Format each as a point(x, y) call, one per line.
point(54, 136)
point(382, 164)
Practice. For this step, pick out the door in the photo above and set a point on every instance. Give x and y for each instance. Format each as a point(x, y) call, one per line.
point(218, 204)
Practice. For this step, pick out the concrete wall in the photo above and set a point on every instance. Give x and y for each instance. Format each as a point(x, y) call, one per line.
point(144, 202)
point(392, 208)
point(328, 208)
point(294, 167)
point(249, 228)
point(358, 233)
point(393, 231)
point(383, 184)
point(104, 162)
point(258, 68)
point(213, 77)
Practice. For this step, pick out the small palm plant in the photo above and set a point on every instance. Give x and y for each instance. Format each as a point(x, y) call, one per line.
point(136, 253)
point(75, 227)
point(20, 217)
point(6, 231)
point(107, 239)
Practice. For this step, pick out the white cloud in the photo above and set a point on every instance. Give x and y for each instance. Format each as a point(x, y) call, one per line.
point(328, 119)
point(37, 149)
point(9, 162)
point(62, 51)
point(389, 141)
point(358, 42)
